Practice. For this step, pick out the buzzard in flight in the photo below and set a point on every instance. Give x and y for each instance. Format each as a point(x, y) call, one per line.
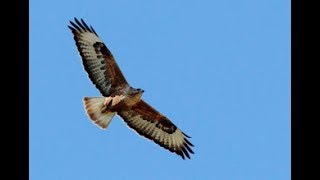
point(119, 97)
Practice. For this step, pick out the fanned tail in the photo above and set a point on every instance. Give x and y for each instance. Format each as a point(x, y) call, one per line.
point(93, 107)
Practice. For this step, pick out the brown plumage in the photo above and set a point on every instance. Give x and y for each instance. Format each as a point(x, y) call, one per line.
point(119, 97)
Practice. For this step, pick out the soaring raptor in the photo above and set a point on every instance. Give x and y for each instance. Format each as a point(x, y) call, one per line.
point(119, 97)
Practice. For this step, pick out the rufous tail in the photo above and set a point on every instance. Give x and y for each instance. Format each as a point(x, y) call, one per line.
point(93, 107)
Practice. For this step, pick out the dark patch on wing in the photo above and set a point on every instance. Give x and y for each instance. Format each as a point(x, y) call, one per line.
point(95, 66)
point(150, 115)
point(117, 77)
point(113, 69)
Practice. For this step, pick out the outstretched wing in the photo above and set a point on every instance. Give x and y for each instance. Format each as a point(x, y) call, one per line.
point(97, 60)
point(149, 123)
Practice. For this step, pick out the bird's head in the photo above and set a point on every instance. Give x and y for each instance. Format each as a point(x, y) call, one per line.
point(136, 91)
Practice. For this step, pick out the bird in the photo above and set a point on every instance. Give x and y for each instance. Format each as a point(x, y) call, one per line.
point(119, 98)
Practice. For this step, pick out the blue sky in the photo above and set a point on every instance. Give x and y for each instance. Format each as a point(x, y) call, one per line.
point(220, 70)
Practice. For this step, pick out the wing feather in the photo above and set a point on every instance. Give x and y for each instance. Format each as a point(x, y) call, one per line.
point(149, 123)
point(97, 59)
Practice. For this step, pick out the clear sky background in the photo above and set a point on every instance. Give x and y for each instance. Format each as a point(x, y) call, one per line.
point(220, 70)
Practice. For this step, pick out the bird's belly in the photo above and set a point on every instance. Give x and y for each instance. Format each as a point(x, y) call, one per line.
point(131, 101)
point(124, 104)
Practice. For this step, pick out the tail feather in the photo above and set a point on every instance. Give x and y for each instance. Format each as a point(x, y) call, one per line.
point(93, 107)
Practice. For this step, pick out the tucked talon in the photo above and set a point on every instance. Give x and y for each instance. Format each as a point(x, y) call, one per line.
point(106, 106)
point(104, 109)
point(110, 103)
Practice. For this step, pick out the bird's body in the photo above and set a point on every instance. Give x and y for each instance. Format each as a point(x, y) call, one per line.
point(128, 98)
point(119, 97)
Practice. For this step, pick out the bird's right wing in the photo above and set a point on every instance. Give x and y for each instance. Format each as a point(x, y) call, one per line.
point(149, 123)
point(97, 60)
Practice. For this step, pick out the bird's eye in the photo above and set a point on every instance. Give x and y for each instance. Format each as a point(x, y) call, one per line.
point(139, 89)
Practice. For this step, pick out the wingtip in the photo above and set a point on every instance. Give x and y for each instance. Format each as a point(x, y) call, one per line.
point(183, 156)
point(81, 26)
point(188, 142)
point(188, 148)
point(70, 23)
point(85, 25)
point(93, 30)
point(186, 152)
point(186, 135)
point(180, 153)
point(70, 27)
point(74, 20)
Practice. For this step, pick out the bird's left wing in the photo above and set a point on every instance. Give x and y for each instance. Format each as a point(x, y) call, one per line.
point(151, 124)
point(97, 60)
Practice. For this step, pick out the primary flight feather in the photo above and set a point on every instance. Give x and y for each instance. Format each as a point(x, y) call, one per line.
point(119, 97)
